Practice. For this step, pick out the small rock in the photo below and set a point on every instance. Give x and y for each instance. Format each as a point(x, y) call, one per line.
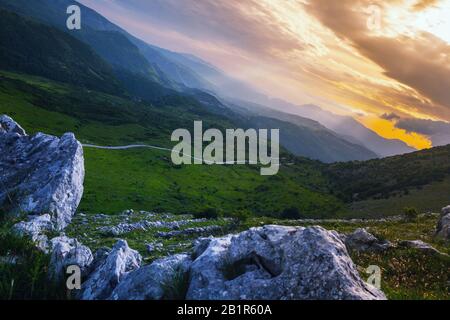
point(35, 228)
point(420, 245)
point(189, 232)
point(362, 240)
point(102, 281)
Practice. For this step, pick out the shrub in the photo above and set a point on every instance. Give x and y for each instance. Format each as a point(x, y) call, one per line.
point(241, 215)
point(291, 213)
point(207, 213)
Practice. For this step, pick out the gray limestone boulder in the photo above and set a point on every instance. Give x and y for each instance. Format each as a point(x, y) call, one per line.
point(443, 227)
point(361, 240)
point(278, 263)
point(68, 252)
point(163, 279)
point(40, 174)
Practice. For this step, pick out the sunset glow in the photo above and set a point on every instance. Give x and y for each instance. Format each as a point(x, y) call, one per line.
point(344, 56)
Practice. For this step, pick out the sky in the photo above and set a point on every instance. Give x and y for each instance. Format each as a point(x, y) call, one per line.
point(386, 63)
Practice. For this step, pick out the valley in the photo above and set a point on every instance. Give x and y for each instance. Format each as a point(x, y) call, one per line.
point(142, 226)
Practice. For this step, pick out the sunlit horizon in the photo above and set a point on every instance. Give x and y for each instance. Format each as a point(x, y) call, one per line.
point(315, 52)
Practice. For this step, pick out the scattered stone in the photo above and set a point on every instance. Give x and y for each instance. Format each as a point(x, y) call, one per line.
point(40, 174)
point(189, 232)
point(102, 281)
point(145, 225)
point(361, 240)
point(152, 247)
point(420, 245)
point(156, 281)
point(278, 263)
point(35, 228)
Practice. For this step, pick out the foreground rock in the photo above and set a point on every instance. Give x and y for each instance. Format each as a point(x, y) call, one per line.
point(156, 281)
point(68, 252)
point(363, 241)
point(443, 227)
point(275, 262)
point(40, 174)
point(115, 266)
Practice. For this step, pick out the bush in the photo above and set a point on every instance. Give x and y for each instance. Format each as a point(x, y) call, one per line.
point(241, 215)
point(411, 214)
point(291, 213)
point(208, 213)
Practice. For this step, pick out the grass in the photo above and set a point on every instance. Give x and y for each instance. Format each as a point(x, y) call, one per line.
point(429, 198)
point(26, 277)
point(176, 288)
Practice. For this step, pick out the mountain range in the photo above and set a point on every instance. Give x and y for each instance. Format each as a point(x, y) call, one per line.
point(149, 73)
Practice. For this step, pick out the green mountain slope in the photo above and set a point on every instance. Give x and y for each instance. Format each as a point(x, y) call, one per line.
point(30, 47)
point(383, 178)
point(111, 45)
point(146, 179)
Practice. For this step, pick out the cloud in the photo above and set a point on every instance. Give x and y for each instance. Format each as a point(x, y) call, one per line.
point(247, 25)
point(421, 62)
point(424, 4)
point(437, 131)
point(390, 116)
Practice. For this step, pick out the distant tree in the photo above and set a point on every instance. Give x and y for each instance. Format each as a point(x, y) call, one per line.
point(291, 213)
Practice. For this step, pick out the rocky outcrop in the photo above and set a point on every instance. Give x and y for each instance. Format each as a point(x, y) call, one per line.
point(275, 262)
point(35, 228)
point(109, 273)
point(361, 240)
point(420, 245)
point(443, 227)
point(155, 281)
point(40, 174)
point(67, 252)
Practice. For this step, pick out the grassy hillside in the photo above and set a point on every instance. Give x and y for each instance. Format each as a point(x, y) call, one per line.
point(394, 176)
point(146, 179)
